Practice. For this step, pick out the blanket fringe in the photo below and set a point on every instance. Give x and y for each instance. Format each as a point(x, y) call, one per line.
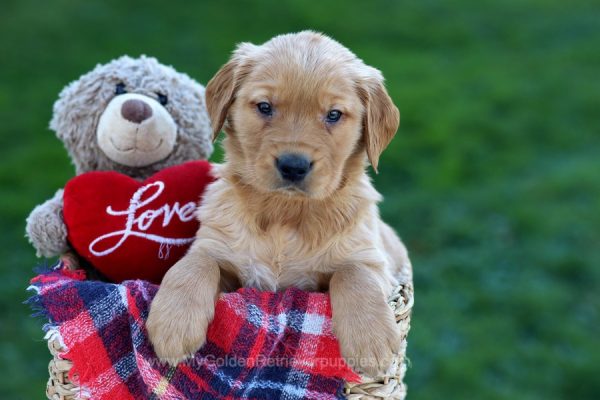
point(35, 303)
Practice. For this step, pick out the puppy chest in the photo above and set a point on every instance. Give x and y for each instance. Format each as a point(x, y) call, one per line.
point(277, 261)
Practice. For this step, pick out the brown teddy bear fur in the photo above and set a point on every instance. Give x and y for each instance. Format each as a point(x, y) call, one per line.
point(75, 120)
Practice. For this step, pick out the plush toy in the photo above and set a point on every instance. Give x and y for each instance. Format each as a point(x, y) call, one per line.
point(131, 128)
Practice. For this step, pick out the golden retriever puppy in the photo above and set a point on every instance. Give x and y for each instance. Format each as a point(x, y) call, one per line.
point(293, 205)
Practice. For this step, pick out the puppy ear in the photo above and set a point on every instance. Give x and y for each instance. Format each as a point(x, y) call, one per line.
point(222, 88)
point(381, 118)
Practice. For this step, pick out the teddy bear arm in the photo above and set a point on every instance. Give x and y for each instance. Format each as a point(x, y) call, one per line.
point(46, 229)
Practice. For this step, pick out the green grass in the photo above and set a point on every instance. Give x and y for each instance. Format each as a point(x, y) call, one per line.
point(493, 179)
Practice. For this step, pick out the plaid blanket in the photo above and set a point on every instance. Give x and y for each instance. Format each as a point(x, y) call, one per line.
point(261, 345)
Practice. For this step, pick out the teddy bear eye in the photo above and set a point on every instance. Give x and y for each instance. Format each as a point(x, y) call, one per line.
point(162, 99)
point(120, 89)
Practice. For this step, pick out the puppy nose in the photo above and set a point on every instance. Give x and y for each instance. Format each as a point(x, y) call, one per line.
point(136, 111)
point(293, 167)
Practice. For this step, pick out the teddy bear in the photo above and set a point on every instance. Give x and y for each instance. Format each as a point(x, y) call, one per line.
point(131, 116)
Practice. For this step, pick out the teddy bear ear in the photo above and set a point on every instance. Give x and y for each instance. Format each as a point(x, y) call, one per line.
point(74, 121)
point(222, 88)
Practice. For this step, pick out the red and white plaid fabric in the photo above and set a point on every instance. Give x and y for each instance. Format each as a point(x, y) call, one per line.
point(261, 345)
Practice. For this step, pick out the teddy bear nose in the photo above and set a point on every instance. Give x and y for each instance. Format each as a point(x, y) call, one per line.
point(136, 111)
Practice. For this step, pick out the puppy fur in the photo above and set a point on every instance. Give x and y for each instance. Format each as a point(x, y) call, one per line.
point(322, 234)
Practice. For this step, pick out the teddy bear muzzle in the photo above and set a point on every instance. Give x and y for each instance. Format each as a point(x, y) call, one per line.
point(136, 130)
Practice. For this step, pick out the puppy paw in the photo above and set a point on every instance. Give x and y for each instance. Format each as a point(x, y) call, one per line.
point(369, 343)
point(177, 326)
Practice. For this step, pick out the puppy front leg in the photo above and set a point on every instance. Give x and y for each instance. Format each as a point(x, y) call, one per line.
point(184, 306)
point(362, 320)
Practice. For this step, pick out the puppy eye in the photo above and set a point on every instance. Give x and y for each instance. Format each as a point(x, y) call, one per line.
point(162, 99)
point(333, 116)
point(265, 108)
point(120, 89)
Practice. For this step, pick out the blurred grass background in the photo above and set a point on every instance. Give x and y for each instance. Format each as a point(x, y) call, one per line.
point(493, 179)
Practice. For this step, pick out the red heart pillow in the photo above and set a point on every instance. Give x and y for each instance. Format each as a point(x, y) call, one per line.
point(129, 229)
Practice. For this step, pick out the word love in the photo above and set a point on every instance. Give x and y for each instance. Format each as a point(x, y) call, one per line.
point(138, 225)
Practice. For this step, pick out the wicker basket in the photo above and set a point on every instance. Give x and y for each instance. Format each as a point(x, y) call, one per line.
point(390, 386)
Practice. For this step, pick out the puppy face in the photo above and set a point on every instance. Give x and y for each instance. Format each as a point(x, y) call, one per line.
point(295, 131)
point(299, 111)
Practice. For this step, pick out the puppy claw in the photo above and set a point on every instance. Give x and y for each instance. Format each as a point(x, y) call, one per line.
point(176, 328)
point(172, 349)
point(369, 352)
